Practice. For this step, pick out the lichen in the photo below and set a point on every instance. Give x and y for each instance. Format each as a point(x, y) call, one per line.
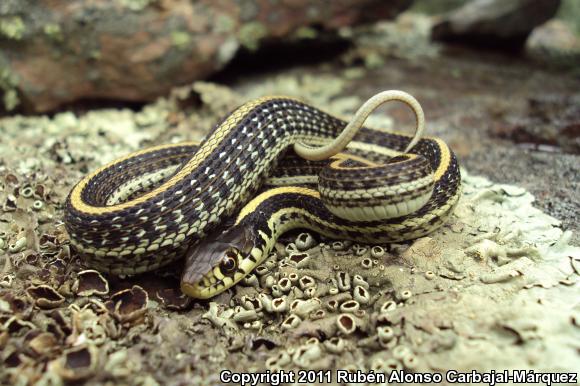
point(180, 39)
point(12, 27)
point(305, 32)
point(250, 35)
point(137, 5)
point(53, 31)
point(8, 84)
point(224, 23)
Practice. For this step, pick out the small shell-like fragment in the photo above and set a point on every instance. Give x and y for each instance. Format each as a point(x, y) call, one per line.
point(256, 325)
point(14, 324)
point(388, 306)
point(349, 306)
point(2, 243)
point(410, 362)
point(346, 323)
point(250, 280)
point(44, 343)
point(299, 260)
point(361, 295)
point(401, 352)
point(278, 361)
point(266, 302)
point(360, 251)
point(332, 305)
point(26, 192)
point(245, 316)
point(304, 241)
point(306, 281)
point(90, 282)
point(338, 246)
point(284, 284)
point(271, 262)
point(312, 340)
point(291, 322)
point(386, 366)
point(45, 296)
point(304, 307)
point(333, 291)
point(76, 364)
point(18, 246)
point(222, 320)
point(296, 293)
point(429, 275)
point(343, 281)
point(279, 305)
point(173, 299)
point(309, 292)
point(385, 334)
point(318, 314)
point(367, 263)
point(251, 303)
point(405, 295)
point(37, 205)
point(333, 302)
point(334, 345)
point(276, 291)
point(128, 305)
point(6, 281)
point(306, 355)
point(290, 248)
point(377, 252)
point(261, 270)
point(293, 277)
point(359, 280)
point(267, 281)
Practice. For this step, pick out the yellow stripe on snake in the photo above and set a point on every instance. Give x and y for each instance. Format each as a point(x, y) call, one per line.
point(157, 205)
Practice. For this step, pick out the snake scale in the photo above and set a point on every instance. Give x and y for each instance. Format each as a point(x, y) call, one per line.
point(151, 207)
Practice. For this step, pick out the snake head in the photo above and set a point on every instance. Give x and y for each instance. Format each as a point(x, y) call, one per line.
point(217, 262)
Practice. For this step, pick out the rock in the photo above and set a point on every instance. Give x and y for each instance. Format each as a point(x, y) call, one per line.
point(554, 43)
point(494, 23)
point(53, 53)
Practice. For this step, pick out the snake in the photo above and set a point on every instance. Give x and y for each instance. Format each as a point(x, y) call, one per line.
point(272, 165)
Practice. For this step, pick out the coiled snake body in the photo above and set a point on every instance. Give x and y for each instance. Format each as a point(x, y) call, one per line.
point(151, 207)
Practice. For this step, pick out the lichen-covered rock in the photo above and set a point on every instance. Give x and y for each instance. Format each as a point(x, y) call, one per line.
point(54, 53)
point(555, 43)
point(495, 23)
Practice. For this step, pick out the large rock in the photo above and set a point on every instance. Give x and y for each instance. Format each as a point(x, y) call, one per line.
point(495, 23)
point(555, 43)
point(135, 50)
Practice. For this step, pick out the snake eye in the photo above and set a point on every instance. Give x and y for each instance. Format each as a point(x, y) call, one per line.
point(229, 262)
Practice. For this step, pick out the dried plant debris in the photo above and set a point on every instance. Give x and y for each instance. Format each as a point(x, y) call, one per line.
point(494, 288)
point(90, 282)
point(128, 305)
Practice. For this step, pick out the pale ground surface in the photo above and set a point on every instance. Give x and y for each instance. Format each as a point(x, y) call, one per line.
point(497, 288)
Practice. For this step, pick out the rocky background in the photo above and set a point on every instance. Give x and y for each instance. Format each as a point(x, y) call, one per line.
point(137, 50)
point(86, 82)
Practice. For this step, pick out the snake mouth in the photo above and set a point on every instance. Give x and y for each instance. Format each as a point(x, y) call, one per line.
point(216, 263)
point(196, 291)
